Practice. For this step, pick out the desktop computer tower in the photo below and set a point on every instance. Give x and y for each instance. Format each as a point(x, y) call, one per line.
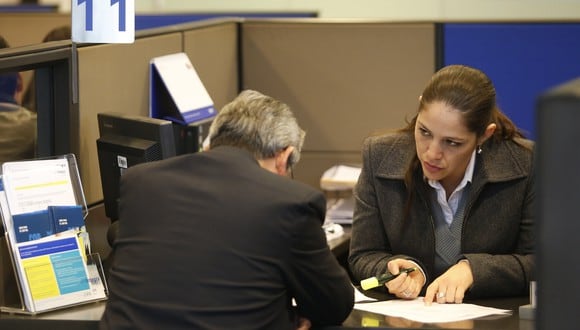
point(189, 138)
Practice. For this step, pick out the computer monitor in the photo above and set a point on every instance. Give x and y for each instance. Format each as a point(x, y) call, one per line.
point(558, 197)
point(125, 141)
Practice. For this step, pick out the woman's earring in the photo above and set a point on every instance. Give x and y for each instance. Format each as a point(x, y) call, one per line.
point(479, 149)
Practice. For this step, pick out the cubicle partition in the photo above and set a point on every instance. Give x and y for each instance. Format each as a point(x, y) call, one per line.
point(22, 29)
point(115, 78)
point(30, 28)
point(344, 80)
point(56, 101)
point(149, 21)
point(213, 51)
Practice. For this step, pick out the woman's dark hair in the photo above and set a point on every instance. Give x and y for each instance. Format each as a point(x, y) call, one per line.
point(471, 92)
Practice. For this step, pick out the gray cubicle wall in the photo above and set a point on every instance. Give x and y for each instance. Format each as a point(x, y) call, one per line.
point(21, 29)
point(344, 80)
point(213, 50)
point(115, 77)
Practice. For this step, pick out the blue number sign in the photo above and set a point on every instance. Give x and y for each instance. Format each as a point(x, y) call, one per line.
point(103, 21)
point(88, 13)
point(122, 13)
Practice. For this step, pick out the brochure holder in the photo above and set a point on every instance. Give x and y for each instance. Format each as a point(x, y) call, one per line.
point(45, 253)
point(176, 91)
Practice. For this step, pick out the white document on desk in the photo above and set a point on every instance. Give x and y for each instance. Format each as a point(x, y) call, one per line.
point(360, 297)
point(416, 310)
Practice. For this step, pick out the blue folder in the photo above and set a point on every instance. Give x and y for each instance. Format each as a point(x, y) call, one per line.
point(31, 226)
point(66, 217)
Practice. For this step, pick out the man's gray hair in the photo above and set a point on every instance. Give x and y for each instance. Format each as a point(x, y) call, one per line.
point(259, 124)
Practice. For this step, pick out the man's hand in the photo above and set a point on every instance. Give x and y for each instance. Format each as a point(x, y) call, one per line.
point(303, 323)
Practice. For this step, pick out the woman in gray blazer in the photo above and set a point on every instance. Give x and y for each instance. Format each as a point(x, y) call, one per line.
point(451, 194)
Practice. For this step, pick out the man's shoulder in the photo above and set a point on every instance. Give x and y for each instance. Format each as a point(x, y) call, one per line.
point(146, 168)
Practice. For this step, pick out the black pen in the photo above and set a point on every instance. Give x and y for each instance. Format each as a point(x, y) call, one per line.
point(375, 281)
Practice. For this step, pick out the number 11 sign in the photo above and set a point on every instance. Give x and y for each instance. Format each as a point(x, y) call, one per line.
point(103, 21)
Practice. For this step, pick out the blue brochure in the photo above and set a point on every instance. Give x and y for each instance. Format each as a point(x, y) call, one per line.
point(32, 226)
point(66, 217)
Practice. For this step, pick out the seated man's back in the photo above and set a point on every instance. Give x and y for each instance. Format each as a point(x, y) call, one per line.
point(17, 124)
point(216, 240)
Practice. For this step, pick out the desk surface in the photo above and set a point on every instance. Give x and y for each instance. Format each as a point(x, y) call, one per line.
point(361, 319)
point(339, 246)
point(87, 317)
point(83, 317)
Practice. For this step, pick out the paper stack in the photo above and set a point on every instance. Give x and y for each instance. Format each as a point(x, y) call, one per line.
point(342, 211)
point(340, 177)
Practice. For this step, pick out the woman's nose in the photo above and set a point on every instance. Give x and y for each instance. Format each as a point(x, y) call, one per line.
point(434, 150)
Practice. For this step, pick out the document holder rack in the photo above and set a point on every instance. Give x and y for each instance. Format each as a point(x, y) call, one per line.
point(45, 256)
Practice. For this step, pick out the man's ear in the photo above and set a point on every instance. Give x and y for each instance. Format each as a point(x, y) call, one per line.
point(282, 159)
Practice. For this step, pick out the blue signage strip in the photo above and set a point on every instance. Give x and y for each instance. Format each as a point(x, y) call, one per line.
point(46, 248)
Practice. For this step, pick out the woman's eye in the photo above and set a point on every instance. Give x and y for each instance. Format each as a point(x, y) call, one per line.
point(424, 132)
point(453, 143)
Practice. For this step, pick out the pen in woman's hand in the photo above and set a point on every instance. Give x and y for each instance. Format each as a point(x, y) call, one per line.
point(375, 281)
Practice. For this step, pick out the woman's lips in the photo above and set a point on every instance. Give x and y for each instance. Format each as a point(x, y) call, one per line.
point(431, 168)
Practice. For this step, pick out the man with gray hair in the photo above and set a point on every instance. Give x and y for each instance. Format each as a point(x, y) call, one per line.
point(221, 239)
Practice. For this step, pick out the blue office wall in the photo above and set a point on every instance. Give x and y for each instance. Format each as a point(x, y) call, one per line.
point(28, 8)
point(153, 21)
point(522, 59)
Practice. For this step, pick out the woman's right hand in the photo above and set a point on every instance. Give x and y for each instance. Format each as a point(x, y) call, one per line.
point(406, 285)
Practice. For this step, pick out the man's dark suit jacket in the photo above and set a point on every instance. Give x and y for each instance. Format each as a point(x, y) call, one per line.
point(212, 240)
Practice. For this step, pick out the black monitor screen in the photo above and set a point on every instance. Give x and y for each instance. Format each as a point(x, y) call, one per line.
point(558, 196)
point(125, 141)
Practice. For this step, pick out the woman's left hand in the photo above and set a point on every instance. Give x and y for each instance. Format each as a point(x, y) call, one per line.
point(451, 286)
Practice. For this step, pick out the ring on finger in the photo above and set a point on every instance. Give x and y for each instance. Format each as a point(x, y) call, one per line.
point(407, 294)
point(440, 294)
